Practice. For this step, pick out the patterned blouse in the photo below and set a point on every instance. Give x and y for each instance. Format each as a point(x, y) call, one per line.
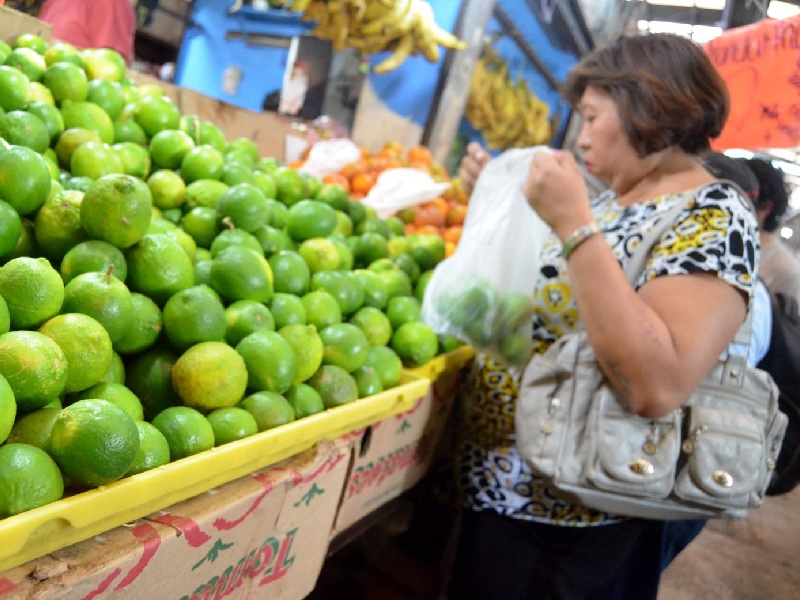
point(715, 233)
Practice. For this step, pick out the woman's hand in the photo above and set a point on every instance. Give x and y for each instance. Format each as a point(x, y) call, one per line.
point(555, 189)
point(472, 164)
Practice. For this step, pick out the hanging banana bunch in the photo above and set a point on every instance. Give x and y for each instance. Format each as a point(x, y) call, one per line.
point(403, 27)
point(507, 113)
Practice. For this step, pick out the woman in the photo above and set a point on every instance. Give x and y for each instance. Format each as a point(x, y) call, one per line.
point(648, 104)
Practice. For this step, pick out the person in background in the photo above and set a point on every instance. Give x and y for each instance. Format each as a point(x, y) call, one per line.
point(649, 104)
point(779, 267)
point(93, 23)
point(472, 164)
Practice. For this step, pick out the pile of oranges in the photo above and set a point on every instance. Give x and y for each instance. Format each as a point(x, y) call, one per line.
point(443, 216)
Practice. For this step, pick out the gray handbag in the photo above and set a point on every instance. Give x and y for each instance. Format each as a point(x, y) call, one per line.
point(712, 457)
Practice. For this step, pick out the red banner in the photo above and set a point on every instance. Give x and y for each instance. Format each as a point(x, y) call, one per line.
point(761, 65)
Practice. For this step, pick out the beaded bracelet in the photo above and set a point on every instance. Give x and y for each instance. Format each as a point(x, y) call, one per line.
point(580, 235)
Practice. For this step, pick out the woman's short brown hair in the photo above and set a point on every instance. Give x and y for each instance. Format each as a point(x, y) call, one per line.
point(665, 87)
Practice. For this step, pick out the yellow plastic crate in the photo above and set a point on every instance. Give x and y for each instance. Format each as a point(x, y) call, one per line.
point(445, 363)
point(36, 532)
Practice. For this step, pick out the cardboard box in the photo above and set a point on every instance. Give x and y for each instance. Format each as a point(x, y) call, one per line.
point(13, 23)
point(261, 536)
point(392, 455)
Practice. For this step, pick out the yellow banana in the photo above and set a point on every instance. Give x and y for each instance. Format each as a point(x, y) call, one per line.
point(385, 21)
point(299, 5)
point(399, 55)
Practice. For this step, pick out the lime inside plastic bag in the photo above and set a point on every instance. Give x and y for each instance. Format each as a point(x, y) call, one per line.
point(483, 292)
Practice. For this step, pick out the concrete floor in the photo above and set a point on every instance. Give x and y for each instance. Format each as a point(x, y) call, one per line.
point(754, 559)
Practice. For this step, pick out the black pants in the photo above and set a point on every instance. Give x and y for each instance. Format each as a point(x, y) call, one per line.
point(509, 559)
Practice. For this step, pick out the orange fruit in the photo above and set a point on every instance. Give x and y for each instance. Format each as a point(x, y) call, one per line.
point(94, 442)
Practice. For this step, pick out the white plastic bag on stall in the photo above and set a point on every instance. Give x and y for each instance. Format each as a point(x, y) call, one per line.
point(329, 156)
point(396, 189)
point(483, 292)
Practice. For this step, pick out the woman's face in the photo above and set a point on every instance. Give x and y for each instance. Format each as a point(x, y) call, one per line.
point(605, 146)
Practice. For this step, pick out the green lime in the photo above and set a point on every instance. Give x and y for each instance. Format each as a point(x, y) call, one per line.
point(94, 442)
point(118, 394)
point(308, 347)
point(415, 343)
point(269, 409)
point(368, 381)
point(29, 478)
point(153, 449)
point(287, 309)
point(335, 385)
point(388, 364)
point(304, 399)
point(186, 430)
point(231, 424)
point(345, 346)
point(375, 324)
point(104, 298)
point(33, 291)
point(193, 315)
point(146, 326)
point(86, 346)
point(34, 428)
point(93, 256)
point(243, 317)
point(149, 376)
point(270, 360)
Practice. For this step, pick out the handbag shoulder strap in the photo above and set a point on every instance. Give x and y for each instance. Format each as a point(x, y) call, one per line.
point(638, 259)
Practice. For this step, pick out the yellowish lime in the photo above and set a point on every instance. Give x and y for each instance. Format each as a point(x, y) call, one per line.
point(309, 349)
point(335, 385)
point(32, 289)
point(8, 409)
point(117, 209)
point(210, 375)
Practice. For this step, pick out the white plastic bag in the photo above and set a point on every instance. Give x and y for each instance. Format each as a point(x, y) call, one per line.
point(483, 293)
point(329, 156)
point(401, 188)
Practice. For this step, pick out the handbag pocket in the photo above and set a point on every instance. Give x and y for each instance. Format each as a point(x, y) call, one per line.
point(633, 455)
point(542, 414)
point(725, 463)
